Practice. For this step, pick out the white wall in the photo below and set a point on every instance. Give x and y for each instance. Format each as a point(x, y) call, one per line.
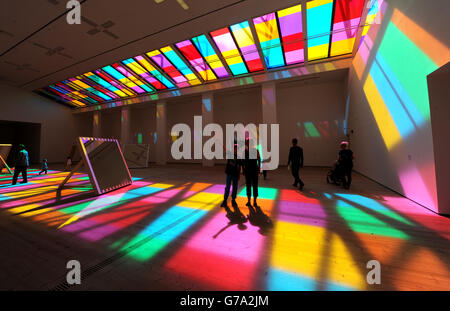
point(389, 106)
point(312, 112)
point(58, 131)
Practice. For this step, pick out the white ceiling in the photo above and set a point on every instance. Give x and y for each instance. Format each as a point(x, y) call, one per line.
point(38, 47)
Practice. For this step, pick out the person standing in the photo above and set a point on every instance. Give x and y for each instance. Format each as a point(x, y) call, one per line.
point(295, 162)
point(233, 169)
point(251, 170)
point(346, 163)
point(22, 163)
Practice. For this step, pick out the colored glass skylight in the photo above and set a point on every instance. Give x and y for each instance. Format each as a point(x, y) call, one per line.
point(208, 53)
point(115, 83)
point(269, 41)
point(142, 61)
point(191, 53)
point(318, 18)
point(370, 19)
point(98, 87)
point(99, 80)
point(87, 88)
point(269, 38)
point(345, 26)
point(227, 46)
point(291, 28)
point(159, 59)
point(134, 66)
point(180, 65)
point(244, 39)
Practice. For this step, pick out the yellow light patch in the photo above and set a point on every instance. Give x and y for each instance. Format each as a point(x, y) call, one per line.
point(316, 3)
point(159, 185)
point(153, 53)
point(244, 37)
point(202, 200)
point(386, 124)
point(342, 47)
point(289, 11)
point(297, 248)
point(342, 268)
point(267, 30)
point(317, 52)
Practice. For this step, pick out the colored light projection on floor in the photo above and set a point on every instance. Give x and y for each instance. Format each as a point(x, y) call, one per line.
point(319, 241)
point(318, 18)
point(345, 26)
point(229, 254)
point(397, 95)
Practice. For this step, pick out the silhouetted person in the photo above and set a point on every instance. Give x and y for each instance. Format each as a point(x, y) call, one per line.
point(44, 167)
point(296, 162)
point(346, 164)
point(251, 170)
point(233, 169)
point(22, 163)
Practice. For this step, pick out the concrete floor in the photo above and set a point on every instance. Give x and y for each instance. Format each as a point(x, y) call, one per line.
point(167, 232)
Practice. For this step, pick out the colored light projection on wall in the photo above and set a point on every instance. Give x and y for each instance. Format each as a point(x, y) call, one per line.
point(318, 17)
point(345, 25)
point(397, 95)
point(331, 28)
point(319, 241)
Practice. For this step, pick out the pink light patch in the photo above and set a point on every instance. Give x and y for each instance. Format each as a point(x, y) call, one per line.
point(228, 256)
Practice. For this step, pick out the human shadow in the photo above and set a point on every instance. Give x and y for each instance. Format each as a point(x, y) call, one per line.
point(235, 217)
point(257, 218)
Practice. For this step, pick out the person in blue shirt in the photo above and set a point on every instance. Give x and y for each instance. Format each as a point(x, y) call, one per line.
point(44, 167)
point(22, 163)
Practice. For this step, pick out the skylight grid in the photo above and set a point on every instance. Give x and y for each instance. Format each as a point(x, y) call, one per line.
point(269, 38)
point(244, 39)
point(318, 18)
point(227, 46)
point(196, 60)
point(209, 54)
point(290, 21)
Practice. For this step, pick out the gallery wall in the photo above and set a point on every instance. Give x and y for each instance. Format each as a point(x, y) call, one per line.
point(57, 122)
point(389, 109)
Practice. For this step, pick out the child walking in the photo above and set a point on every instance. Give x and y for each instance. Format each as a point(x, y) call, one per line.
point(44, 167)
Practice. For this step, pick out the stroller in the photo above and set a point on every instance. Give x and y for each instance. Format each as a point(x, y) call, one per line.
point(335, 175)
